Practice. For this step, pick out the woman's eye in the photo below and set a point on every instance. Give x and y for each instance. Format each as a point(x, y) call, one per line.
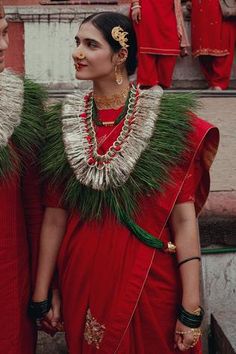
point(92, 44)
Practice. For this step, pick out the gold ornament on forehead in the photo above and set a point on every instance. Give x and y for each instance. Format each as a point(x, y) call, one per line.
point(2, 13)
point(119, 35)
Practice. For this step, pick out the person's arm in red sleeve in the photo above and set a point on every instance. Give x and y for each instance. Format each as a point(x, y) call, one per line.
point(33, 207)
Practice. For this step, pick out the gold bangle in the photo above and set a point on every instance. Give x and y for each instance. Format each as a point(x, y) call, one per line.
point(194, 331)
point(197, 332)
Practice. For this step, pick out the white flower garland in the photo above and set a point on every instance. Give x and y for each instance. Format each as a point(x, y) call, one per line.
point(11, 104)
point(114, 172)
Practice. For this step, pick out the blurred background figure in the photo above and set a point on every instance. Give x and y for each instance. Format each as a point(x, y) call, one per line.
point(161, 38)
point(213, 41)
point(21, 111)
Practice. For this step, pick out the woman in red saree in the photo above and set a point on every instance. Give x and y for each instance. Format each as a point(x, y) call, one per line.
point(21, 211)
point(128, 172)
point(213, 42)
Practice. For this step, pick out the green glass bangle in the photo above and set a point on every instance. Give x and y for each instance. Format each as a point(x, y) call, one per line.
point(37, 310)
point(189, 319)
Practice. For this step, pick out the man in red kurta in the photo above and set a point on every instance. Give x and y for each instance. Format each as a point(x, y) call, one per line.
point(20, 210)
point(159, 30)
point(213, 41)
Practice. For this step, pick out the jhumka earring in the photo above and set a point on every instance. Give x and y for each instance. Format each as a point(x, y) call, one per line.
point(118, 75)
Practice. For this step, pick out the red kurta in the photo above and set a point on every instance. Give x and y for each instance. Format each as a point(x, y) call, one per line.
point(213, 41)
point(157, 31)
point(128, 291)
point(20, 219)
point(210, 32)
point(159, 41)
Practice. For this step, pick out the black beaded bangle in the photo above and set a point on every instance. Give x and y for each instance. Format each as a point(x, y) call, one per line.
point(189, 319)
point(188, 259)
point(37, 310)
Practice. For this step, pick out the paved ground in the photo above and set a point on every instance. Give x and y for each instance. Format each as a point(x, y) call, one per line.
point(222, 112)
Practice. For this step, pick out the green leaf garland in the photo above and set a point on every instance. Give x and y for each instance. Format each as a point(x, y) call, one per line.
point(165, 149)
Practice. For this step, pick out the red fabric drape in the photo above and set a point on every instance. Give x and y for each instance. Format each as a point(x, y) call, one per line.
point(130, 289)
point(20, 219)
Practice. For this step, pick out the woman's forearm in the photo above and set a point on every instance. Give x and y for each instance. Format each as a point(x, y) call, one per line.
point(187, 244)
point(53, 230)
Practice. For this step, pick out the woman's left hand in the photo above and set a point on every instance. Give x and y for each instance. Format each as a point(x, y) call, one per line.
point(52, 322)
point(185, 337)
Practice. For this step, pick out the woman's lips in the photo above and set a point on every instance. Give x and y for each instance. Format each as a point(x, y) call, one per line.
point(79, 66)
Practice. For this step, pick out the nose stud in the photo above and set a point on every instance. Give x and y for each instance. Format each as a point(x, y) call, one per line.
point(81, 55)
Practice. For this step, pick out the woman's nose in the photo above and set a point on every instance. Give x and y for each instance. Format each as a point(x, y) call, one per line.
point(3, 43)
point(78, 53)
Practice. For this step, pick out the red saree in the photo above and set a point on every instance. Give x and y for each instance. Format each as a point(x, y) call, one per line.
point(20, 221)
point(20, 209)
point(119, 295)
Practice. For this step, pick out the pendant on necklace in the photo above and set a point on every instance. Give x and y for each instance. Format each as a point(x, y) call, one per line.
point(108, 124)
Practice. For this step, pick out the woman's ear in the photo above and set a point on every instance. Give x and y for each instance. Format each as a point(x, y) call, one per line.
point(120, 57)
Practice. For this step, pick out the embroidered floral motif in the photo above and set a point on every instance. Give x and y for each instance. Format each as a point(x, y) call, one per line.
point(208, 51)
point(94, 331)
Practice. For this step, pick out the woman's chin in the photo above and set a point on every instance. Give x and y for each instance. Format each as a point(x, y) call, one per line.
point(79, 76)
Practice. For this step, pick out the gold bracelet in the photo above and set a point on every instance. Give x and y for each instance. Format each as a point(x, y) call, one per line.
point(197, 332)
point(194, 331)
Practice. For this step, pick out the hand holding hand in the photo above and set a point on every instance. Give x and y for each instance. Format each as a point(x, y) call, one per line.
point(185, 337)
point(52, 322)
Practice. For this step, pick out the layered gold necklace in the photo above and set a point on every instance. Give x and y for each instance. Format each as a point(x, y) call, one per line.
point(114, 101)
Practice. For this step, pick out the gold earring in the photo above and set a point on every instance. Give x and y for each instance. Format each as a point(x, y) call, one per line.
point(118, 75)
point(81, 55)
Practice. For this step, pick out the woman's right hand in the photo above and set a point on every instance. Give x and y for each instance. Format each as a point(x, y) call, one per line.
point(52, 322)
point(136, 15)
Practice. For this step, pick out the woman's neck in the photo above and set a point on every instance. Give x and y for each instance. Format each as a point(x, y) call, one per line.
point(109, 94)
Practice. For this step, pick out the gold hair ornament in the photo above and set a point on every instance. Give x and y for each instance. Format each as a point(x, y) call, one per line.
point(119, 35)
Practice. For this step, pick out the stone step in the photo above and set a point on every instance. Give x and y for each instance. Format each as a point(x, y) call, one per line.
point(217, 231)
point(51, 345)
point(223, 330)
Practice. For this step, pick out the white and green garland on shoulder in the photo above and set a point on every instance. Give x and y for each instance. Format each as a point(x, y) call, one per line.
point(155, 137)
point(21, 121)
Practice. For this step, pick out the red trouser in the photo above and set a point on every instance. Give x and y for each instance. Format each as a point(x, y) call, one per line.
point(155, 69)
point(217, 69)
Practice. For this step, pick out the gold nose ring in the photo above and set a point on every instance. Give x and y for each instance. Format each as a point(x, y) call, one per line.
point(81, 56)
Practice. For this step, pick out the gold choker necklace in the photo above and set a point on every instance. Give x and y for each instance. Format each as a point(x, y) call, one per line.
point(114, 101)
